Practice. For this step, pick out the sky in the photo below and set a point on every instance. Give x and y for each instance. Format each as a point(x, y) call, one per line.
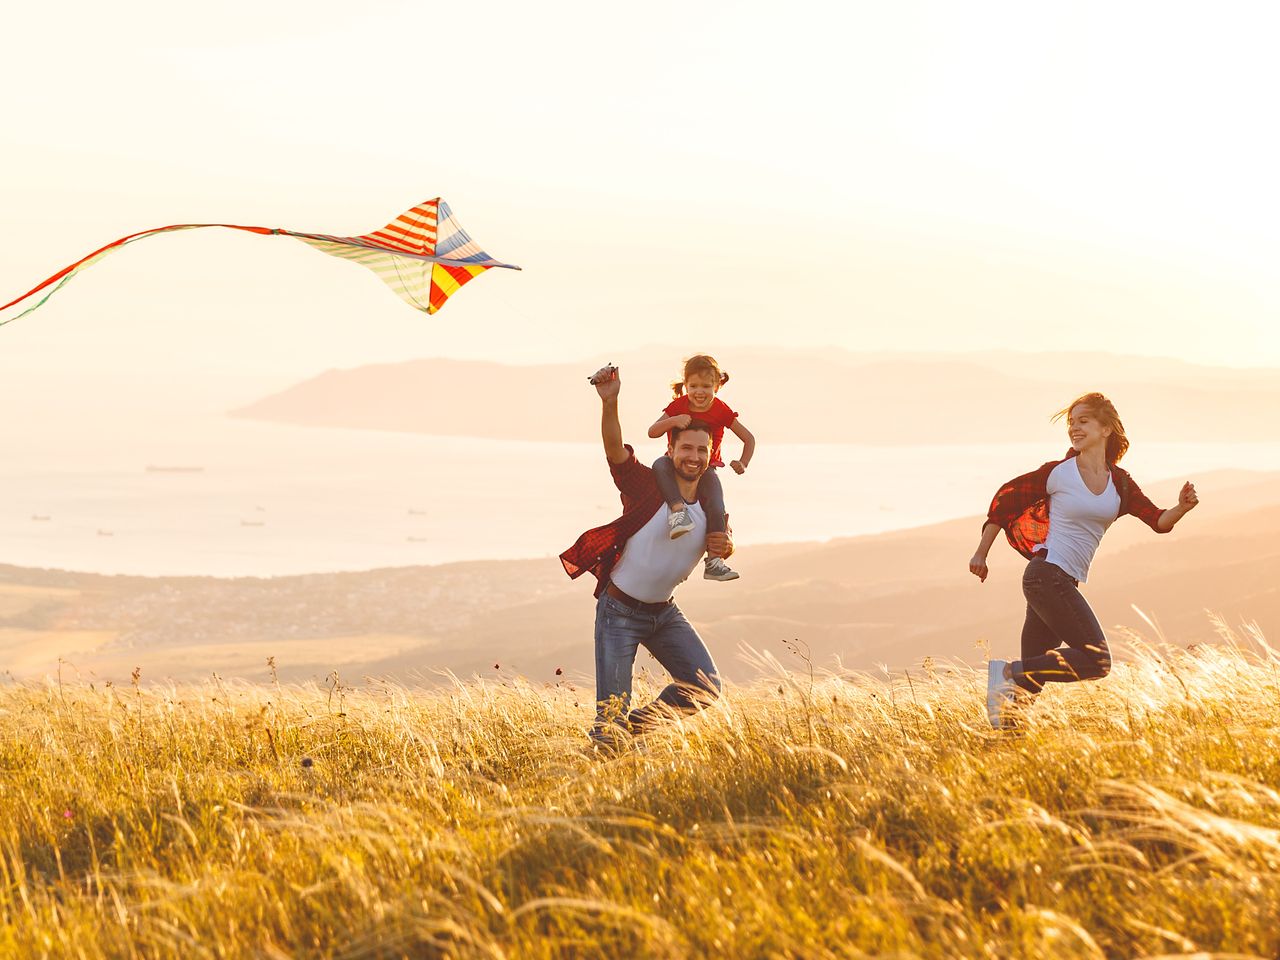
point(873, 176)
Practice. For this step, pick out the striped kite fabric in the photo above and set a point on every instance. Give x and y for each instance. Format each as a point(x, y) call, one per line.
point(423, 255)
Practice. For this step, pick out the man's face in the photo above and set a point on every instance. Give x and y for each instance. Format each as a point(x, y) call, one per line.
point(691, 453)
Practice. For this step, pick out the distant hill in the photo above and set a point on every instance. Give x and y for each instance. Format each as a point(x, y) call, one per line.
point(801, 396)
point(892, 598)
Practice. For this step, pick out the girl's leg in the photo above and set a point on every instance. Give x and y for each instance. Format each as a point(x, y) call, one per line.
point(711, 496)
point(664, 472)
point(1058, 603)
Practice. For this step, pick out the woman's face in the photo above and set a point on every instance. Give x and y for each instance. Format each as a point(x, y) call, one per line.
point(1084, 429)
point(701, 389)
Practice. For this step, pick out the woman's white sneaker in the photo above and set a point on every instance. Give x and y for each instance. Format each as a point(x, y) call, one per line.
point(999, 692)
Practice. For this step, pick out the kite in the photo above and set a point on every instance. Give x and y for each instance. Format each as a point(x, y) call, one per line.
point(423, 255)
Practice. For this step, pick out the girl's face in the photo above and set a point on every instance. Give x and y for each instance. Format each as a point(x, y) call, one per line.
point(1085, 430)
point(701, 388)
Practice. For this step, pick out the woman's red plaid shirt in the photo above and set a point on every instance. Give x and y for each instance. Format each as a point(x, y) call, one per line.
point(1021, 507)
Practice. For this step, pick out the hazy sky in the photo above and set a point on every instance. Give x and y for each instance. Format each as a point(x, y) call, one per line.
point(872, 175)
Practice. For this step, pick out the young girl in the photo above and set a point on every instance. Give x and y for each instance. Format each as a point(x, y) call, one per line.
point(696, 400)
point(1055, 517)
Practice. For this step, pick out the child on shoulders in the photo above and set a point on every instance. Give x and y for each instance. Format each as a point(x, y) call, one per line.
point(695, 399)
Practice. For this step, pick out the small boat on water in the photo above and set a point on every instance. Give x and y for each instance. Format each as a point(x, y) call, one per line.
point(106, 533)
point(41, 518)
point(416, 539)
point(415, 512)
point(152, 468)
point(253, 523)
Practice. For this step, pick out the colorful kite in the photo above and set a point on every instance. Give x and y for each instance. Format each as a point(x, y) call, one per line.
point(424, 255)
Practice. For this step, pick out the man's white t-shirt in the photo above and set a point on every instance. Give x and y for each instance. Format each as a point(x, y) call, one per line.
point(652, 565)
point(1078, 518)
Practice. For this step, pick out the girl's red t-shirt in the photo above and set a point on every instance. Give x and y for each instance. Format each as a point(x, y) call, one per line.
point(717, 417)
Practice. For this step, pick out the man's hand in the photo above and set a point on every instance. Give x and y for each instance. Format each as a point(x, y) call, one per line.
point(607, 382)
point(720, 544)
point(978, 567)
point(738, 467)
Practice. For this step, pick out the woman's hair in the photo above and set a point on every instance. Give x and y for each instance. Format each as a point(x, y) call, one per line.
point(1105, 411)
point(700, 363)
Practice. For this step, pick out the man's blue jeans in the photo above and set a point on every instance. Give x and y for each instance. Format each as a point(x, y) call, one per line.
point(620, 631)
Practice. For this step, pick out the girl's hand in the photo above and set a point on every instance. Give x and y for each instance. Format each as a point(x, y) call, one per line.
point(978, 567)
point(681, 420)
point(1187, 499)
point(738, 467)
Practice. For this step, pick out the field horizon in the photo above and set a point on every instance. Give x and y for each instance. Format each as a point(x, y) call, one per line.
point(892, 598)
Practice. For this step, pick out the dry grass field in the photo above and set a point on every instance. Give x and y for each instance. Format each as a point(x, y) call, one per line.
point(803, 816)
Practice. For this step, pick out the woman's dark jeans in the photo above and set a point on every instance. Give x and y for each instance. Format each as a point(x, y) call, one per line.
point(710, 493)
point(1062, 640)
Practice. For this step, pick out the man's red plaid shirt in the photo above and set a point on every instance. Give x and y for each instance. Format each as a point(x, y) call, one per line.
point(1021, 507)
point(598, 549)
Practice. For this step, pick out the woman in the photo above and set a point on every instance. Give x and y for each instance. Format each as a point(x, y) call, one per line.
point(1055, 517)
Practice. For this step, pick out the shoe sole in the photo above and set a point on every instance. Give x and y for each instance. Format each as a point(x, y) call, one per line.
point(679, 532)
point(731, 575)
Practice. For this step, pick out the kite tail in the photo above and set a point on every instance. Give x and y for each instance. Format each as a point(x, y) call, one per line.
point(53, 284)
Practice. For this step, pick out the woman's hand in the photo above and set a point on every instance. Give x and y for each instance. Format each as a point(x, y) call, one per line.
point(1187, 498)
point(738, 467)
point(978, 566)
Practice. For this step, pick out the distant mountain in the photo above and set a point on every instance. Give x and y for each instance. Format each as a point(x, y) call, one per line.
point(801, 396)
point(892, 598)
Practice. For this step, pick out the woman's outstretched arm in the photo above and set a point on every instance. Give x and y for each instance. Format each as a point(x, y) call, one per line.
point(1187, 500)
point(978, 565)
point(1161, 521)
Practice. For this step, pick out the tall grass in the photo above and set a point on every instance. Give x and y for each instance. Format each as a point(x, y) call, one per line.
point(806, 816)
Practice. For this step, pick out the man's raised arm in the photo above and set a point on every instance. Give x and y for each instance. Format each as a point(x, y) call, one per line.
point(607, 384)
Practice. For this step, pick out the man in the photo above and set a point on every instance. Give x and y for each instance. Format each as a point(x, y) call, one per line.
point(638, 566)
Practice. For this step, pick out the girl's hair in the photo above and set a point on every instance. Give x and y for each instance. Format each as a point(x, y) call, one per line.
point(700, 363)
point(1105, 411)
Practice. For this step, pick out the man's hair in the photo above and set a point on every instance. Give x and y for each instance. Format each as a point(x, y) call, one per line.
point(693, 425)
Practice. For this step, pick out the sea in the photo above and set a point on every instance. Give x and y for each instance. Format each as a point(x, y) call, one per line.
point(177, 494)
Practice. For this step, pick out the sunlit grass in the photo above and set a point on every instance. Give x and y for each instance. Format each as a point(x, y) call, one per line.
point(806, 816)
